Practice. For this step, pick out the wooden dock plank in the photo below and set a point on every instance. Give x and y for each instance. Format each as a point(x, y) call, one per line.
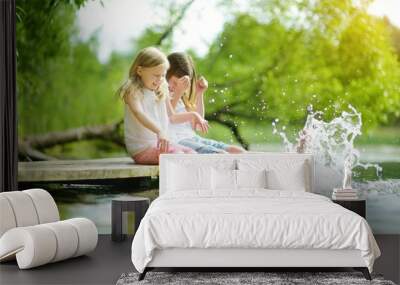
point(67, 170)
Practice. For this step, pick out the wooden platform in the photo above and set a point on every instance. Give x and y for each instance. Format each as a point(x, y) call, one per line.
point(67, 170)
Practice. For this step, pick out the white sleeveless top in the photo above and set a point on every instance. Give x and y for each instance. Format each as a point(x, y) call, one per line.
point(138, 137)
point(180, 131)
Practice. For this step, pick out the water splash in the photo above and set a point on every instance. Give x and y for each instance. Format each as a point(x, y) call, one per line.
point(331, 143)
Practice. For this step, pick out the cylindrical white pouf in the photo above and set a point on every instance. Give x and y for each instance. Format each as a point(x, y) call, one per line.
point(45, 205)
point(7, 218)
point(87, 234)
point(23, 208)
point(34, 245)
point(67, 240)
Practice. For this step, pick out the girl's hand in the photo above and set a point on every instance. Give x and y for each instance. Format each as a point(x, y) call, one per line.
point(182, 84)
point(201, 85)
point(199, 124)
point(162, 142)
point(162, 88)
point(201, 127)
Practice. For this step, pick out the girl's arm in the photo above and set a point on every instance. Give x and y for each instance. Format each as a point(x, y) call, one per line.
point(137, 111)
point(200, 104)
point(177, 118)
point(182, 85)
point(174, 100)
point(201, 88)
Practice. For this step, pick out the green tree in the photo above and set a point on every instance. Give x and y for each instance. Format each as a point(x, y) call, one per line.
point(44, 30)
point(329, 54)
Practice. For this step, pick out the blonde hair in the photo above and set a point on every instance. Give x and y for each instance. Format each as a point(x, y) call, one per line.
point(181, 64)
point(147, 57)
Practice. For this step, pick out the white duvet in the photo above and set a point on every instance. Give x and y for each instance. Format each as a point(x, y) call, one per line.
point(250, 219)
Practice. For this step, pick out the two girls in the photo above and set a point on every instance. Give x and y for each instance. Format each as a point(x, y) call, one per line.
point(148, 109)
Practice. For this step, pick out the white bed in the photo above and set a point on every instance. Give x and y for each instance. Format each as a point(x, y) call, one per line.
point(231, 219)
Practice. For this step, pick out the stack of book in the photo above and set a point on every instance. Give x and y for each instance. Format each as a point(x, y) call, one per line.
point(345, 194)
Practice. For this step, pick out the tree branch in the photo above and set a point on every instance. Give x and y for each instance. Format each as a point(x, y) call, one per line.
point(217, 116)
point(31, 145)
point(231, 125)
point(171, 27)
point(81, 133)
point(30, 153)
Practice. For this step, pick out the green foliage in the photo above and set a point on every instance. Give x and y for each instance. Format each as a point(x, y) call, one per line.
point(340, 55)
point(61, 83)
point(43, 38)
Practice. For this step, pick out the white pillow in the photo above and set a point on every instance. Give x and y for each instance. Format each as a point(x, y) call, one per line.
point(293, 174)
point(278, 180)
point(229, 179)
point(251, 178)
point(223, 179)
point(184, 177)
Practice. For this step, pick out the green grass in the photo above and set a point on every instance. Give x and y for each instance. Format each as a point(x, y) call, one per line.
point(86, 149)
point(380, 136)
point(251, 132)
point(262, 133)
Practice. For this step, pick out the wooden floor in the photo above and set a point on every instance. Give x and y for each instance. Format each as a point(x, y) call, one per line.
point(67, 170)
point(110, 259)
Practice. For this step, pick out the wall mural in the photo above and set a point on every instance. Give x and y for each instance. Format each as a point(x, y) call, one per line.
point(299, 76)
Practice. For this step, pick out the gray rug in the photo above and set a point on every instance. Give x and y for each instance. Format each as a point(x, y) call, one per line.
point(231, 278)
